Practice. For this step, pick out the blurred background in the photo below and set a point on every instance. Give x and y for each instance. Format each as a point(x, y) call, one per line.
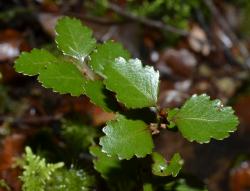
point(198, 46)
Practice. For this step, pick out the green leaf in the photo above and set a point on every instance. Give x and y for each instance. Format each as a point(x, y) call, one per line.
point(119, 175)
point(161, 168)
point(63, 77)
point(135, 86)
point(171, 113)
point(201, 119)
point(32, 63)
point(126, 138)
point(100, 96)
point(103, 163)
point(74, 39)
point(106, 54)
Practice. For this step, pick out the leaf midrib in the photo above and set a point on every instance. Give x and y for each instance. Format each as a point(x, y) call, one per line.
point(147, 96)
point(197, 119)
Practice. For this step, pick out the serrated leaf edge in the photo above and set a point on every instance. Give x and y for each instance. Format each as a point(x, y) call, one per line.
point(96, 52)
point(77, 53)
point(117, 155)
point(227, 134)
point(24, 53)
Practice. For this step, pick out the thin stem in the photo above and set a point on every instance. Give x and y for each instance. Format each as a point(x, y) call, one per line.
point(146, 21)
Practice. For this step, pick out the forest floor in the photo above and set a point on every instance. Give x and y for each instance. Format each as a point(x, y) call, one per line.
point(209, 56)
